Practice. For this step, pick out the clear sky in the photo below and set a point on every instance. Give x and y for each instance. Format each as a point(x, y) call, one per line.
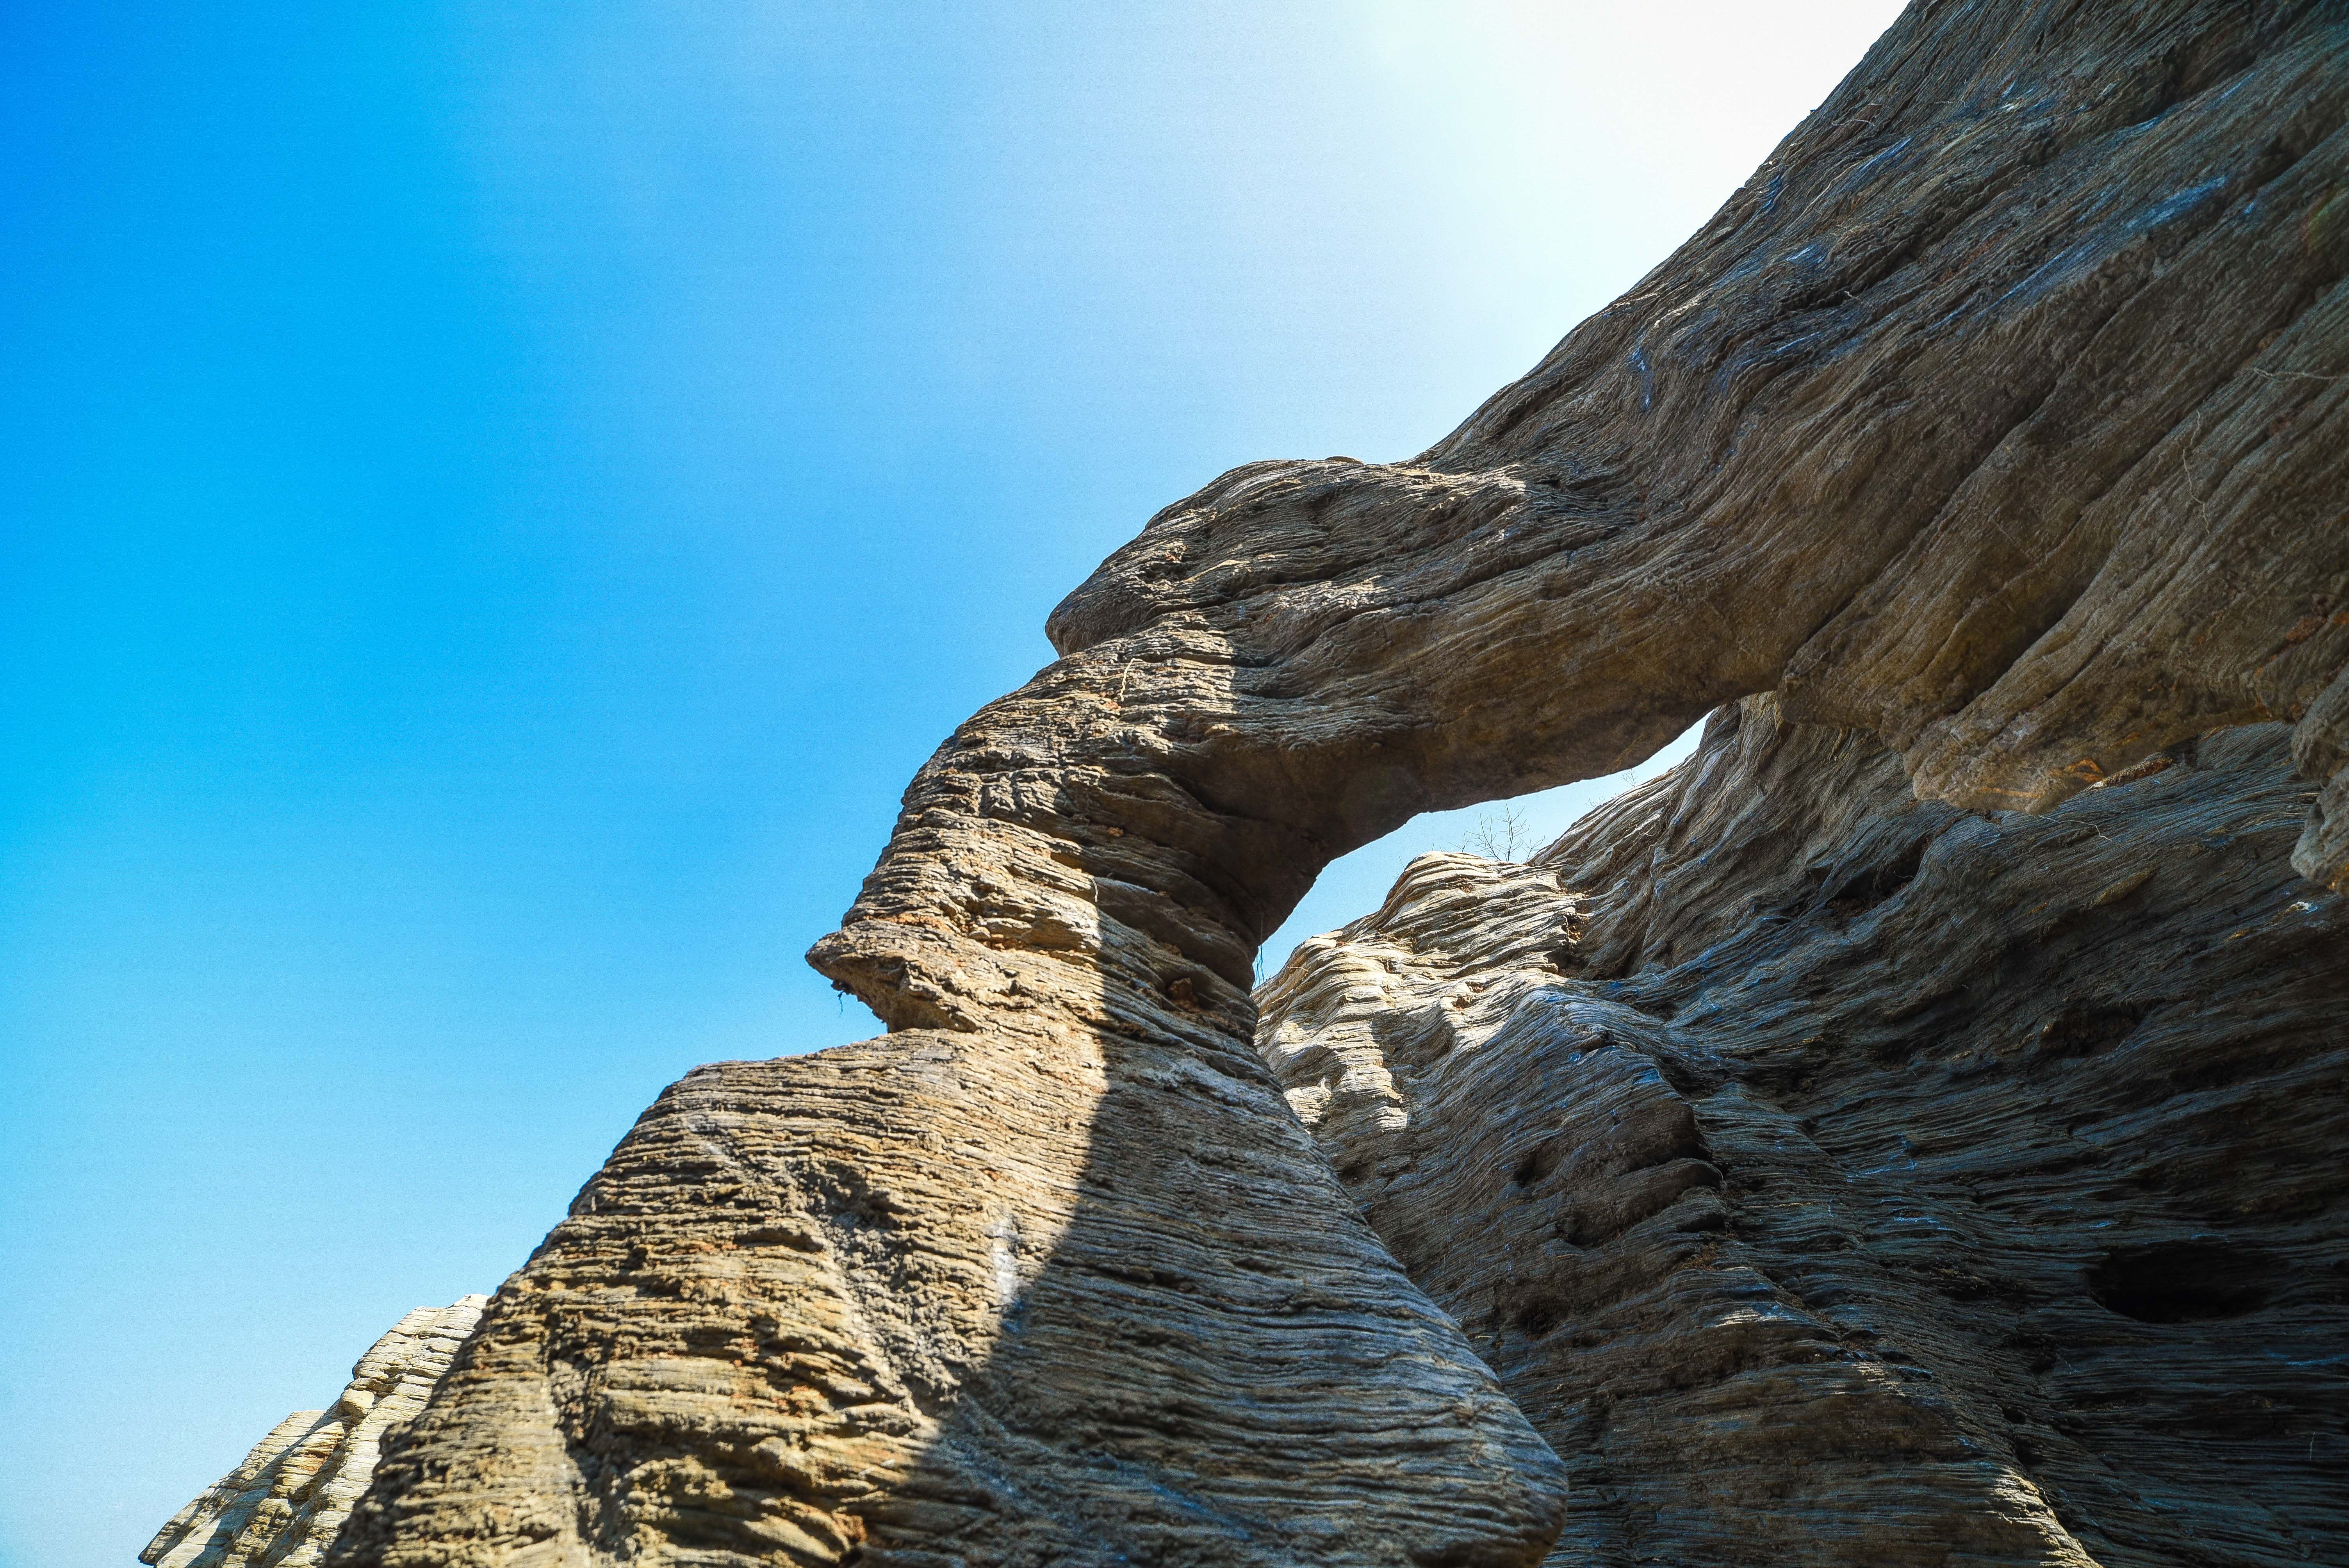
point(496, 499)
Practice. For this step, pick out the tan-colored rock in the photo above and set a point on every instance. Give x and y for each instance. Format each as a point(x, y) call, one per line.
point(2004, 413)
point(1840, 1179)
point(888, 1301)
point(283, 1507)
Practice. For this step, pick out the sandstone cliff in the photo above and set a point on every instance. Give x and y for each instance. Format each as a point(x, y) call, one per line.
point(2003, 415)
point(284, 1506)
point(1836, 1178)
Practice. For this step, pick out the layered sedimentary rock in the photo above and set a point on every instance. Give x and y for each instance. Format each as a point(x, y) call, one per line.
point(889, 1302)
point(1837, 1178)
point(2002, 414)
point(284, 1506)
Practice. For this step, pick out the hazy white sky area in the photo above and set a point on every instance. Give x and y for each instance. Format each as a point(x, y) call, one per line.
point(503, 495)
point(1556, 157)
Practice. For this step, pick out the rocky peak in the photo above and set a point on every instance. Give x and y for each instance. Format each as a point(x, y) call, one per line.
point(1997, 430)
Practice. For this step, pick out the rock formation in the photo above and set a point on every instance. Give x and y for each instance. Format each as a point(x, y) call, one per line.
point(1837, 1178)
point(284, 1506)
point(2001, 415)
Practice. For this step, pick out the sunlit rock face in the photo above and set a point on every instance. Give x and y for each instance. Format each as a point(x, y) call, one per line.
point(894, 1306)
point(1836, 1176)
point(2003, 415)
point(284, 1505)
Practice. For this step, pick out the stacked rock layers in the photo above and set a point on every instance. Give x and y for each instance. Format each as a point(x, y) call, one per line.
point(1836, 1178)
point(284, 1505)
point(2003, 414)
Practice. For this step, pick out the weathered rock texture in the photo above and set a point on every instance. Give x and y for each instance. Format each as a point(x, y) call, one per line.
point(2002, 414)
point(284, 1506)
point(1836, 1178)
point(891, 1298)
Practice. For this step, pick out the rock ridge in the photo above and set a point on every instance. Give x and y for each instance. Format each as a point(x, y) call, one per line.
point(2001, 415)
point(284, 1505)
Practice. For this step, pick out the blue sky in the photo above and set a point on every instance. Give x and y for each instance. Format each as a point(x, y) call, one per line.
point(496, 499)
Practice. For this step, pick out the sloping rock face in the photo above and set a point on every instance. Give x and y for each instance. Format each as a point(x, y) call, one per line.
point(284, 1505)
point(2002, 414)
point(889, 1303)
point(1839, 1178)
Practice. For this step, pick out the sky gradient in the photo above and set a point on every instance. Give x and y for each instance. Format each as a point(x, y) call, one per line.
point(496, 500)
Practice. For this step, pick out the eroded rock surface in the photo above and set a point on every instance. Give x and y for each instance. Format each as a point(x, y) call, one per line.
point(284, 1506)
point(2002, 413)
point(889, 1302)
point(1839, 1178)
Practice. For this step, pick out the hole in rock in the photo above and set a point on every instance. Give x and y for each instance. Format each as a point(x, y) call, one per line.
point(1863, 890)
point(1538, 1318)
point(2082, 1029)
point(1355, 884)
point(2197, 1281)
point(1539, 1162)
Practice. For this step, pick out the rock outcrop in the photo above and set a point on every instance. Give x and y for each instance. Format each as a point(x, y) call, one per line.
point(1839, 1178)
point(889, 1302)
point(284, 1505)
point(2005, 414)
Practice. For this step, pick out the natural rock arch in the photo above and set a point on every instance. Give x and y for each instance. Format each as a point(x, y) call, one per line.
point(2002, 412)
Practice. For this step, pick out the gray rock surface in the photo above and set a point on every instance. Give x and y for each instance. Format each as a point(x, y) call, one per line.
point(1835, 1178)
point(2004, 413)
point(284, 1506)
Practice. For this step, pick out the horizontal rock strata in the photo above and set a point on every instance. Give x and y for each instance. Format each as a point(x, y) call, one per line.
point(284, 1505)
point(2002, 413)
point(891, 1303)
point(1836, 1178)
